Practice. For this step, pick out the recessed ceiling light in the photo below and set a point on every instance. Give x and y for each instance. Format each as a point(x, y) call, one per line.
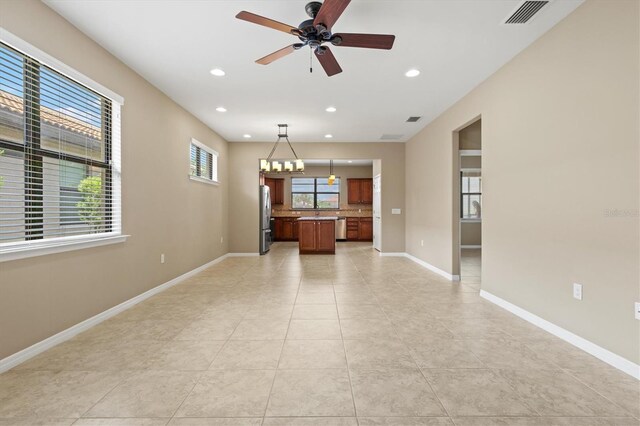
point(246, 136)
point(412, 73)
point(331, 109)
point(349, 161)
point(328, 136)
point(221, 109)
point(217, 72)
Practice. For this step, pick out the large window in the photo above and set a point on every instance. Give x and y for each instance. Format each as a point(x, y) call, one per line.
point(59, 176)
point(471, 195)
point(203, 162)
point(315, 193)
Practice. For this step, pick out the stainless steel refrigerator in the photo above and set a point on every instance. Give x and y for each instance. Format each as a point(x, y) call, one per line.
point(265, 219)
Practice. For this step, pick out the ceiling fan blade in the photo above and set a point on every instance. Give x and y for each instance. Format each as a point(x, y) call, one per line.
point(328, 62)
point(276, 55)
point(369, 41)
point(270, 23)
point(330, 12)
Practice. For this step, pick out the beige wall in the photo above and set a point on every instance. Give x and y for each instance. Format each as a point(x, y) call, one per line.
point(342, 172)
point(163, 211)
point(569, 106)
point(243, 189)
point(470, 233)
point(471, 162)
point(471, 136)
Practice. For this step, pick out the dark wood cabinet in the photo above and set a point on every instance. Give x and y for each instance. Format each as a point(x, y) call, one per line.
point(366, 229)
point(353, 191)
point(360, 191)
point(317, 236)
point(353, 229)
point(326, 236)
point(276, 187)
point(286, 229)
point(366, 191)
point(277, 229)
point(359, 229)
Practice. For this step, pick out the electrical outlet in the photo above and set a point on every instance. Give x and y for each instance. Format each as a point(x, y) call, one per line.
point(577, 291)
point(637, 311)
point(422, 243)
point(162, 258)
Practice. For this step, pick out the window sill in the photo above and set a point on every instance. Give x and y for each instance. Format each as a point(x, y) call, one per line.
point(51, 247)
point(203, 180)
point(471, 220)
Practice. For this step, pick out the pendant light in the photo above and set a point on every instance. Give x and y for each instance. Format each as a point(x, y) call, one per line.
point(289, 166)
point(332, 177)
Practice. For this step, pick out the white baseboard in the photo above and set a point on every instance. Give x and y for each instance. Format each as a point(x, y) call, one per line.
point(471, 246)
point(37, 348)
point(424, 264)
point(242, 254)
point(599, 352)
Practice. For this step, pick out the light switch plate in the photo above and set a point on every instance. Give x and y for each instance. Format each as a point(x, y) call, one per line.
point(396, 211)
point(637, 312)
point(577, 291)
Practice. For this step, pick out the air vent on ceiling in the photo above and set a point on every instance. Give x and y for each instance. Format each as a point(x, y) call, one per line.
point(526, 11)
point(390, 137)
point(413, 119)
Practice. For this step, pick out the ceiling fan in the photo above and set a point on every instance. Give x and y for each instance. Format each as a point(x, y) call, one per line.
point(316, 31)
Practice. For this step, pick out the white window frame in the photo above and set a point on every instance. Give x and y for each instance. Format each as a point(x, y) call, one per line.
point(25, 249)
point(214, 155)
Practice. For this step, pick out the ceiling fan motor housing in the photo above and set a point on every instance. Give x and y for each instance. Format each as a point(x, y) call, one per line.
point(312, 8)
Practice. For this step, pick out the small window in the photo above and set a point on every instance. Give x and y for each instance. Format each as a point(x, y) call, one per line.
point(470, 195)
point(203, 162)
point(315, 193)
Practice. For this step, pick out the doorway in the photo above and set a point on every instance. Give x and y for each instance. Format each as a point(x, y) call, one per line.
point(468, 194)
point(377, 213)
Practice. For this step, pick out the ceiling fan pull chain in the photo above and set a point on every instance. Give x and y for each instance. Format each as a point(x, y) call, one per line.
point(310, 61)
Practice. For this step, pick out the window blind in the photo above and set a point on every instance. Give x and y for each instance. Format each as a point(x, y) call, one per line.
point(57, 174)
point(203, 161)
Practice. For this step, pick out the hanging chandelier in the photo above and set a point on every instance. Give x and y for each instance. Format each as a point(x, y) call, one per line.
point(289, 166)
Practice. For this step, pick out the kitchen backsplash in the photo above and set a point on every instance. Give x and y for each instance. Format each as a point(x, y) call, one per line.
point(358, 210)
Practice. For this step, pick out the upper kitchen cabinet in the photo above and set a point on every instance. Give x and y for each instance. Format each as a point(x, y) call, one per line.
point(276, 186)
point(360, 191)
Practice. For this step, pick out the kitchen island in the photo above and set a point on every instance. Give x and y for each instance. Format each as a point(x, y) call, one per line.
point(317, 235)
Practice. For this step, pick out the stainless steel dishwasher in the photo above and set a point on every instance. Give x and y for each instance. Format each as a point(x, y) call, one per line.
point(341, 228)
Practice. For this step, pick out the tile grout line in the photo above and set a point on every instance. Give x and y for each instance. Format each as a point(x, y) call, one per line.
point(567, 371)
point(344, 348)
point(418, 367)
point(275, 374)
point(202, 374)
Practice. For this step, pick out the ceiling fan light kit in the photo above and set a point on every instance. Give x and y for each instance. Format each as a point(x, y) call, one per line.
point(316, 31)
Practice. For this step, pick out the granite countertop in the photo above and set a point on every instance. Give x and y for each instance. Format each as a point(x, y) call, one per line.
point(318, 218)
point(340, 213)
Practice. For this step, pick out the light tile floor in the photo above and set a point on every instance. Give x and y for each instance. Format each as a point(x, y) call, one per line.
point(318, 340)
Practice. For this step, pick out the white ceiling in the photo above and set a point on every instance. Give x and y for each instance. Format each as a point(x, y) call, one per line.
point(456, 44)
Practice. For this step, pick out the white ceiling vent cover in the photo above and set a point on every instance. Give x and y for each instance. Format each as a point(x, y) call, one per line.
point(525, 11)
